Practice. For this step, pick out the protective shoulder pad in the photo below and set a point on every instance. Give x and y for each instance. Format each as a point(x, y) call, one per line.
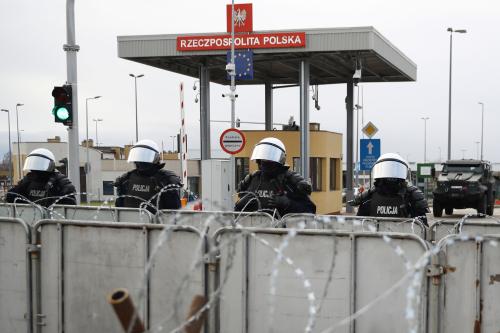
point(298, 183)
point(414, 193)
point(61, 179)
point(245, 183)
point(122, 179)
point(417, 198)
point(167, 177)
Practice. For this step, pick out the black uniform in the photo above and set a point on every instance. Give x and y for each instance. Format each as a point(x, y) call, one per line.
point(44, 188)
point(405, 201)
point(147, 183)
point(284, 190)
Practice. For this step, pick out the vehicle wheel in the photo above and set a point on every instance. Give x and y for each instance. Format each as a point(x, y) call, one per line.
point(448, 210)
point(437, 210)
point(483, 204)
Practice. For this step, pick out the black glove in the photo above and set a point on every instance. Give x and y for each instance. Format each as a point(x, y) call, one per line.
point(279, 201)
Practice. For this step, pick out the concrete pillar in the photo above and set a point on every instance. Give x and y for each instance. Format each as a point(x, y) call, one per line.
point(205, 113)
point(304, 118)
point(349, 143)
point(269, 106)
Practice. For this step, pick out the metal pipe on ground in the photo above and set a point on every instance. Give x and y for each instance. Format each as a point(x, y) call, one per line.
point(196, 325)
point(125, 310)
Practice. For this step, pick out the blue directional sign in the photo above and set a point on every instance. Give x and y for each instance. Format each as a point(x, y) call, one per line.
point(369, 151)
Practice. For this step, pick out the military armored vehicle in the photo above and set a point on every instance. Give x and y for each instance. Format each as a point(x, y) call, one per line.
point(464, 184)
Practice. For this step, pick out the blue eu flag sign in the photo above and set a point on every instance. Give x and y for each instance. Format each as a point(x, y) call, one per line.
point(243, 61)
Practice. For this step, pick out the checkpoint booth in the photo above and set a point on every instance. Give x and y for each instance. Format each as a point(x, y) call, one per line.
point(277, 59)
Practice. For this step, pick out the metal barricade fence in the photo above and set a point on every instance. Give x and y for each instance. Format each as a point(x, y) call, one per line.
point(215, 219)
point(341, 271)
point(15, 276)
point(81, 262)
point(100, 213)
point(470, 284)
point(335, 273)
point(356, 223)
point(476, 226)
point(28, 213)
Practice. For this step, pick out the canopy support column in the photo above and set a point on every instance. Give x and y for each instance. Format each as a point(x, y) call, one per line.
point(205, 112)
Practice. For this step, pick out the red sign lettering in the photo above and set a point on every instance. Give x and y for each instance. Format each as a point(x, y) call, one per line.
point(242, 17)
point(251, 41)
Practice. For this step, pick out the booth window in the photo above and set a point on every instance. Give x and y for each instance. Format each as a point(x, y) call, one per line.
point(316, 170)
point(107, 187)
point(316, 173)
point(333, 175)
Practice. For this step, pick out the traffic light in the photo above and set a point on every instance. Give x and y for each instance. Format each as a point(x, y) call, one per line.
point(63, 108)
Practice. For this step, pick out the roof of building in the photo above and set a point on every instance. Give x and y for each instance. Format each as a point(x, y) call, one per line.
point(332, 54)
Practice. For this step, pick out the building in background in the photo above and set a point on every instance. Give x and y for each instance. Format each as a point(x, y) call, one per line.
point(325, 163)
point(107, 163)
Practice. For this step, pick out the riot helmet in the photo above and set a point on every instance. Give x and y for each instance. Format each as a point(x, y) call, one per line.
point(269, 149)
point(145, 151)
point(40, 159)
point(390, 165)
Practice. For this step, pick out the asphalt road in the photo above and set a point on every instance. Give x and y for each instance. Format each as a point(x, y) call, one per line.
point(459, 213)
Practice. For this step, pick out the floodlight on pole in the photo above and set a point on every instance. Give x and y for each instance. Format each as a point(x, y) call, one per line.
point(87, 165)
point(425, 137)
point(96, 135)
point(173, 142)
point(451, 31)
point(136, 120)
point(482, 127)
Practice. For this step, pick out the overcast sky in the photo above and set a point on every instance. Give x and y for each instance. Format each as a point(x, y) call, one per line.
point(32, 62)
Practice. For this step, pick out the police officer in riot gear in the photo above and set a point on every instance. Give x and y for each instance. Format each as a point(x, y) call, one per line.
point(148, 178)
point(391, 196)
point(274, 187)
point(43, 185)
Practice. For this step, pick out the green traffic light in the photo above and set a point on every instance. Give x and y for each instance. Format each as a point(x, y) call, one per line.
point(62, 113)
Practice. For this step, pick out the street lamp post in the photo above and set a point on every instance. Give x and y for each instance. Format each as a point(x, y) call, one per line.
point(451, 31)
point(18, 141)
point(87, 166)
point(425, 137)
point(477, 149)
point(136, 121)
point(482, 127)
point(463, 153)
point(173, 142)
point(10, 149)
point(96, 137)
point(358, 107)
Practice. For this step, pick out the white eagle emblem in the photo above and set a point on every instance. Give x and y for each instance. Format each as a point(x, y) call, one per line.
point(239, 17)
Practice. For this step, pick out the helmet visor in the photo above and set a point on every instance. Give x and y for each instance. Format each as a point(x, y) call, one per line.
point(142, 154)
point(390, 169)
point(270, 152)
point(39, 163)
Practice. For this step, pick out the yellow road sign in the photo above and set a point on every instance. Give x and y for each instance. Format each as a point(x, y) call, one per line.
point(370, 129)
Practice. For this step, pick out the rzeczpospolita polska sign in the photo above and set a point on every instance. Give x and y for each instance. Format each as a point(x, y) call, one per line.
point(247, 41)
point(232, 141)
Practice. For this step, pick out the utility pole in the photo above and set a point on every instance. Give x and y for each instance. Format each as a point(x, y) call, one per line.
point(10, 149)
point(71, 66)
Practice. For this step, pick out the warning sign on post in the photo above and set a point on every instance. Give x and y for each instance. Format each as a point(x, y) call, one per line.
point(232, 141)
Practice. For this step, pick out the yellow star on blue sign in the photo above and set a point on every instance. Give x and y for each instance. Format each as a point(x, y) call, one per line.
point(243, 61)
